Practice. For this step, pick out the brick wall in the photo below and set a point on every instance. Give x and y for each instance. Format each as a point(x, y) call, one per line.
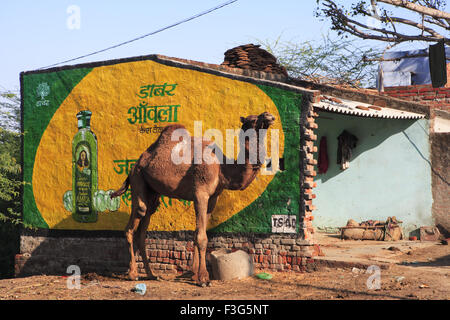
point(440, 159)
point(170, 252)
point(435, 98)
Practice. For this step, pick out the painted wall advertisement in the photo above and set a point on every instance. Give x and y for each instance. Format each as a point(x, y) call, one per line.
point(86, 126)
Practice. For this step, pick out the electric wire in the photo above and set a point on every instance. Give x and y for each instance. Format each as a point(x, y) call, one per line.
point(145, 35)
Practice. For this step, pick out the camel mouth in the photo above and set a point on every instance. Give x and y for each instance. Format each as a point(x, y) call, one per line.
point(271, 120)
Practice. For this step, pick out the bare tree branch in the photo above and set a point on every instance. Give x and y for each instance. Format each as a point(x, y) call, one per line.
point(329, 61)
point(439, 23)
point(346, 20)
point(418, 26)
point(413, 6)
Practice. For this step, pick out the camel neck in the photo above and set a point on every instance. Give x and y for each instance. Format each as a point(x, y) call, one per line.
point(238, 176)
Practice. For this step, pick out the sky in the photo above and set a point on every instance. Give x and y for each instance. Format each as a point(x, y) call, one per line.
point(36, 34)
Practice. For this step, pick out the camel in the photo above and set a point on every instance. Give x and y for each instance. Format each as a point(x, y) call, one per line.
point(155, 174)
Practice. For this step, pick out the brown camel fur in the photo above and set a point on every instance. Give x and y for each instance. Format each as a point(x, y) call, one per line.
point(156, 174)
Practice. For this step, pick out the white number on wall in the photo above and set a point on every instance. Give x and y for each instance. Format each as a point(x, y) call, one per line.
point(283, 223)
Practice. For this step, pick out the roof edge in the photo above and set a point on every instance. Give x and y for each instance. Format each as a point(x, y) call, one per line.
point(366, 97)
point(247, 75)
point(312, 90)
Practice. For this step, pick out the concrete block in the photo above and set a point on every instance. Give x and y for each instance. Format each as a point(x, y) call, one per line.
point(227, 265)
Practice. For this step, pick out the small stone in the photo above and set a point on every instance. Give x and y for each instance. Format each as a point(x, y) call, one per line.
point(356, 270)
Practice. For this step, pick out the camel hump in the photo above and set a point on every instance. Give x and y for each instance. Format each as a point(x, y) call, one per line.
point(171, 128)
point(167, 132)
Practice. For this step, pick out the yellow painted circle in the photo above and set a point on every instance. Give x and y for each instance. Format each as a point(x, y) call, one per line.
point(108, 92)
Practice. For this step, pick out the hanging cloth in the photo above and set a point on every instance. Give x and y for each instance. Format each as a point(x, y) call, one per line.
point(323, 156)
point(346, 142)
point(438, 65)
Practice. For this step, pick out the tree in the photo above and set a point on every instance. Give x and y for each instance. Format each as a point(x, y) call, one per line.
point(413, 20)
point(10, 181)
point(9, 156)
point(9, 110)
point(9, 176)
point(329, 61)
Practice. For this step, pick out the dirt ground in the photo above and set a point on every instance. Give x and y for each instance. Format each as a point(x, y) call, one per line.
point(421, 274)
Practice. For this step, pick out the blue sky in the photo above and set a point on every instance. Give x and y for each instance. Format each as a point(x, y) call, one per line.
point(35, 34)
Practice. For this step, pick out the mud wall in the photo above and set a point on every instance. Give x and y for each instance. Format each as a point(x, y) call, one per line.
point(440, 144)
point(389, 172)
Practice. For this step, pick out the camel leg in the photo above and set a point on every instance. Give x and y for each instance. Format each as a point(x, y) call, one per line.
point(132, 226)
point(200, 237)
point(194, 267)
point(142, 233)
point(195, 263)
point(139, 197)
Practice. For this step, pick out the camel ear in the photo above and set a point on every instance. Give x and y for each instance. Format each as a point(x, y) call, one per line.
point(242, 119)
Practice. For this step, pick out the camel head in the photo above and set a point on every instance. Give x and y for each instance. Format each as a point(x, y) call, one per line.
point(263, 121)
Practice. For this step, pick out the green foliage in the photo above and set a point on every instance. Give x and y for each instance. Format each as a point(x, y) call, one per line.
point(10, 181)
point(10, 178)
point(9, 110)
point(329, 61)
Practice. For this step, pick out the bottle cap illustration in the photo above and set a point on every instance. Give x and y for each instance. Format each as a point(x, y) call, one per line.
point(84, 119)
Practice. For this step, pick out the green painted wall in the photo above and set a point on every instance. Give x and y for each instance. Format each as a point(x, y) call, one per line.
point(389, 172)
point(282, 194)
point(51, 101)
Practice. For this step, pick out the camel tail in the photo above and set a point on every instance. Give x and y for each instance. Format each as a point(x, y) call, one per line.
point(122, 189)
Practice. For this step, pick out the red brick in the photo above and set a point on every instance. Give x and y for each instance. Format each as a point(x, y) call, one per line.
point(396, 88)
point(430, 89)
point(407, 94)
point(394, 95)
